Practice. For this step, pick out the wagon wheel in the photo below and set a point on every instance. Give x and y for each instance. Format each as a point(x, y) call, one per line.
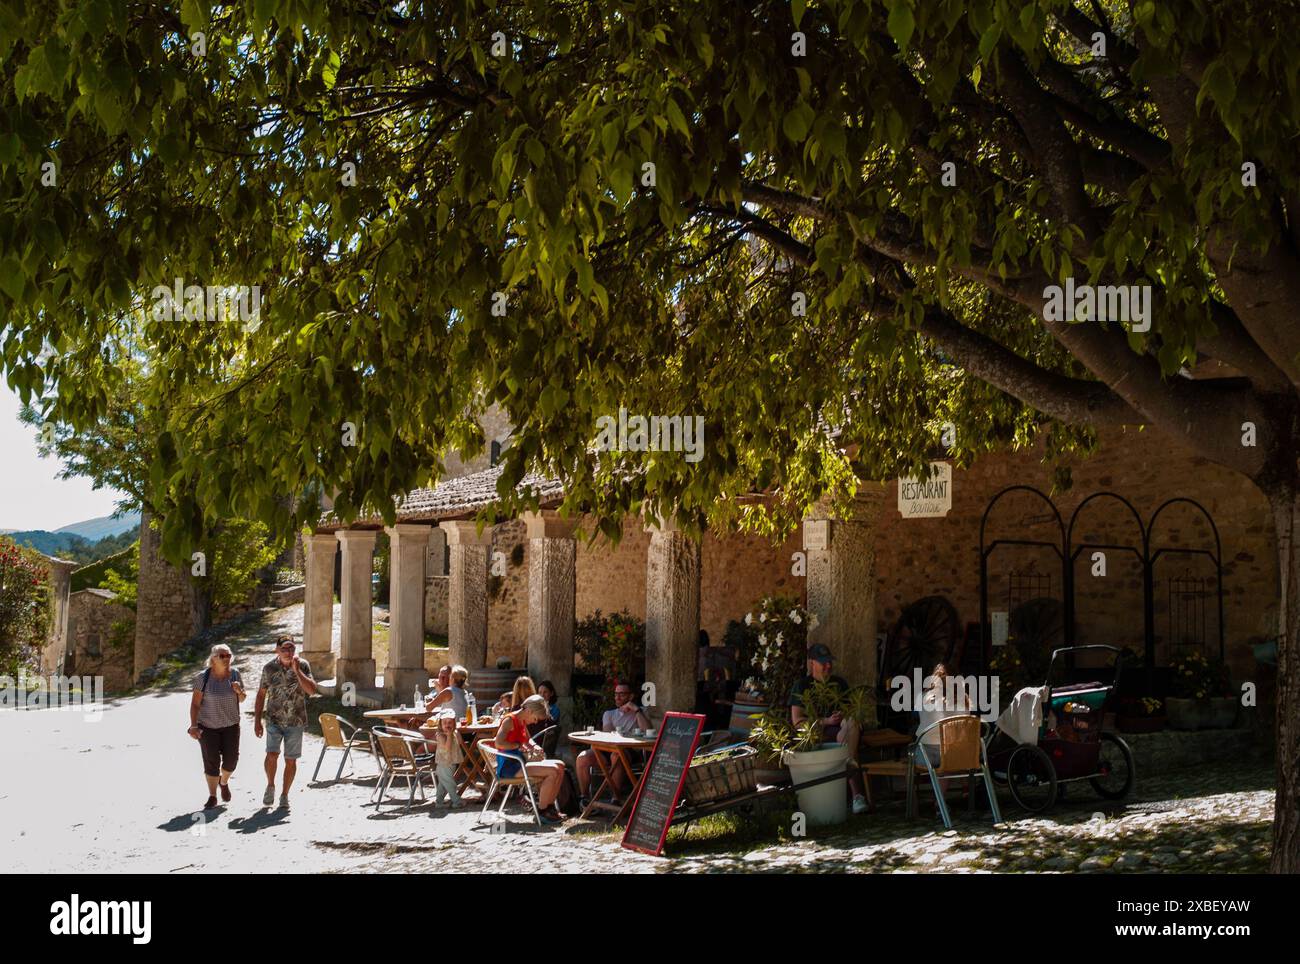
point(1031, 777)
point(1037, 627)
point(925, 634)
point(1114, 777)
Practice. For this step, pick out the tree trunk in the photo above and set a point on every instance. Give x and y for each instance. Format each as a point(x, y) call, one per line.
point(200, 607)
point(1285, 504)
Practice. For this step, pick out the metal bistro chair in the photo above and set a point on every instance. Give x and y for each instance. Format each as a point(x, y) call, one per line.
point(961, 754)
point(379, 731)
point(522, 778)
point(549, 740)
point(339, 734)
point(402, 761)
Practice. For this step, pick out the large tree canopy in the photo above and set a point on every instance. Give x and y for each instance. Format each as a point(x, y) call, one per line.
point(650, 194)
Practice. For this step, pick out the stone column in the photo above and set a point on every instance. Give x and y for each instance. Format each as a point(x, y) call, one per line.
point(842, 583)
point(408, 545)
point(356, 662)
point(672, 616)
point(467, 598)
point(552, 586)
point(318, 603)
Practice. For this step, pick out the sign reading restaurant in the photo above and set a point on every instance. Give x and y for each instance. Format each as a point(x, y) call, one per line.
point(927, 498)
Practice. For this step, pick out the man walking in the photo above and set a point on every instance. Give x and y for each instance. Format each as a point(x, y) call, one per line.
point(282, 695)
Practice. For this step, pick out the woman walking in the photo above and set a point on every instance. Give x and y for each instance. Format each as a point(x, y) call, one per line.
point(214, 720)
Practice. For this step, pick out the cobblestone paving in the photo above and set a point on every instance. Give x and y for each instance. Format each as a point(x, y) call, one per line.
point(146, 779)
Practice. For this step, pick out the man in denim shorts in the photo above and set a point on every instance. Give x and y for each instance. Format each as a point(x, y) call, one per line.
point(282, 695)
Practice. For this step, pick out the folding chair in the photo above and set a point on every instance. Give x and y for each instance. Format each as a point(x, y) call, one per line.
point(961, 755)
point(402, 761)
point(522, 778)
point(339, 734)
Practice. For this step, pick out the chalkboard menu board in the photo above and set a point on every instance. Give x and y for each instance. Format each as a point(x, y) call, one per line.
point(661, 787)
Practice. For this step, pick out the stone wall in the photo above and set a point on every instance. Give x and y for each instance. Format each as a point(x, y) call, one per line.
point(95, 646)
point(436, 590)
point(163, 613)
point(918, 557)
point(508, 595)
point(736, 571)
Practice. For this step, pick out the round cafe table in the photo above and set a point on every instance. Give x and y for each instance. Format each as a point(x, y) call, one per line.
point(611, 752)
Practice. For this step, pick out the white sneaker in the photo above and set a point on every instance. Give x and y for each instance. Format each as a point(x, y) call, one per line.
point(859, 804)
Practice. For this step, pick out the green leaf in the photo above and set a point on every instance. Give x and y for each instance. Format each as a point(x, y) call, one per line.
point(797, 122)
point(12, 279)
point(901, 23)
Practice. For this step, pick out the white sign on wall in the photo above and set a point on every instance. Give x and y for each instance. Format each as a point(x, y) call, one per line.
point(929, 498)
point(998, 626)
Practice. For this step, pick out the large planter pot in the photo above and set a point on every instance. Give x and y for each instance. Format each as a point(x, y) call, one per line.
point(744, 713)
point(1219, 713)
point(826, 803)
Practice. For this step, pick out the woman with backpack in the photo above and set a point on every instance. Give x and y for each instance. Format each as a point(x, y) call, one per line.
point(214, 720)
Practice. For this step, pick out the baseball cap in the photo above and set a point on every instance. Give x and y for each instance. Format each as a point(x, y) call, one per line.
point(821, 653)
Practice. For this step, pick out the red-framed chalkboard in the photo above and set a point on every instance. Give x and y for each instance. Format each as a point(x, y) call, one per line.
point(661, 785)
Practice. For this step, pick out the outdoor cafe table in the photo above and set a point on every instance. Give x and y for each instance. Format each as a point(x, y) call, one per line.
point(472, 771)
point(611, 752)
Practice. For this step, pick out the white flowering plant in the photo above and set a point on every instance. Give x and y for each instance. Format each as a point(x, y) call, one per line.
point(779, 649)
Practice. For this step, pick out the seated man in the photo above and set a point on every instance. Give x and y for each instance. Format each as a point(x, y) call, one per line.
point(625, 717)
point(835, 729)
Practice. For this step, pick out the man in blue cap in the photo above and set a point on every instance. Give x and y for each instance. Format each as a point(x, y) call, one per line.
point(835, 729)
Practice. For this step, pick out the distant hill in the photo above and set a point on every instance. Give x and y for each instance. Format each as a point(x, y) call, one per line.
point(67, 545)
point(95, 529)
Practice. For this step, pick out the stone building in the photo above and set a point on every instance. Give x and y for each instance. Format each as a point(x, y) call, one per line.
point(101, 634)
point(856, 573)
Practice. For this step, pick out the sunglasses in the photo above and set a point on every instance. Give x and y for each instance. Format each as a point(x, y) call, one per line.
point(223, 656)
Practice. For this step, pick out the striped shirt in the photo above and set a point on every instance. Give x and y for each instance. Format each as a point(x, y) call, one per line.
point(220, 706)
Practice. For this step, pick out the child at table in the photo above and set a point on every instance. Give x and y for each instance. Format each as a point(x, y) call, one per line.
point(448, 755)
point(504, 705)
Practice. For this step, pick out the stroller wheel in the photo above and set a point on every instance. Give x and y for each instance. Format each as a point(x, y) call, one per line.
point(1031, 777)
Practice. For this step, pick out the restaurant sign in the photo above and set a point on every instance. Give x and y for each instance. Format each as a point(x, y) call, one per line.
point(926, 498)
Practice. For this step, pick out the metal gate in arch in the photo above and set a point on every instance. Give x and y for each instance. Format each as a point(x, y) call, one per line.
point(1190, 599)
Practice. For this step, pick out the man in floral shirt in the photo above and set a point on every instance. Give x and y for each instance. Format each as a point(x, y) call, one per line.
point(282, 696)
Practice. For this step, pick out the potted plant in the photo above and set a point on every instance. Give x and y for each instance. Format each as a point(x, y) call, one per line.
point(1141, 714)
point(1200, 699)
point(776, 643)
point(803, 750)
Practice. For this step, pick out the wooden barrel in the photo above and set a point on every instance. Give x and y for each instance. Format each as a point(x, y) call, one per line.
point(488, 683)
point(743, 711)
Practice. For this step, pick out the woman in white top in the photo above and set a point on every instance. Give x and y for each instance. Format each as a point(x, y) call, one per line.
point(944, 698)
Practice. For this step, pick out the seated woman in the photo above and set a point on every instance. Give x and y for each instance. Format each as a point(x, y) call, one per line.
point(943, 699)
point(515, 747)
point(546, 689)
point(523, 689)
point(453, 697)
